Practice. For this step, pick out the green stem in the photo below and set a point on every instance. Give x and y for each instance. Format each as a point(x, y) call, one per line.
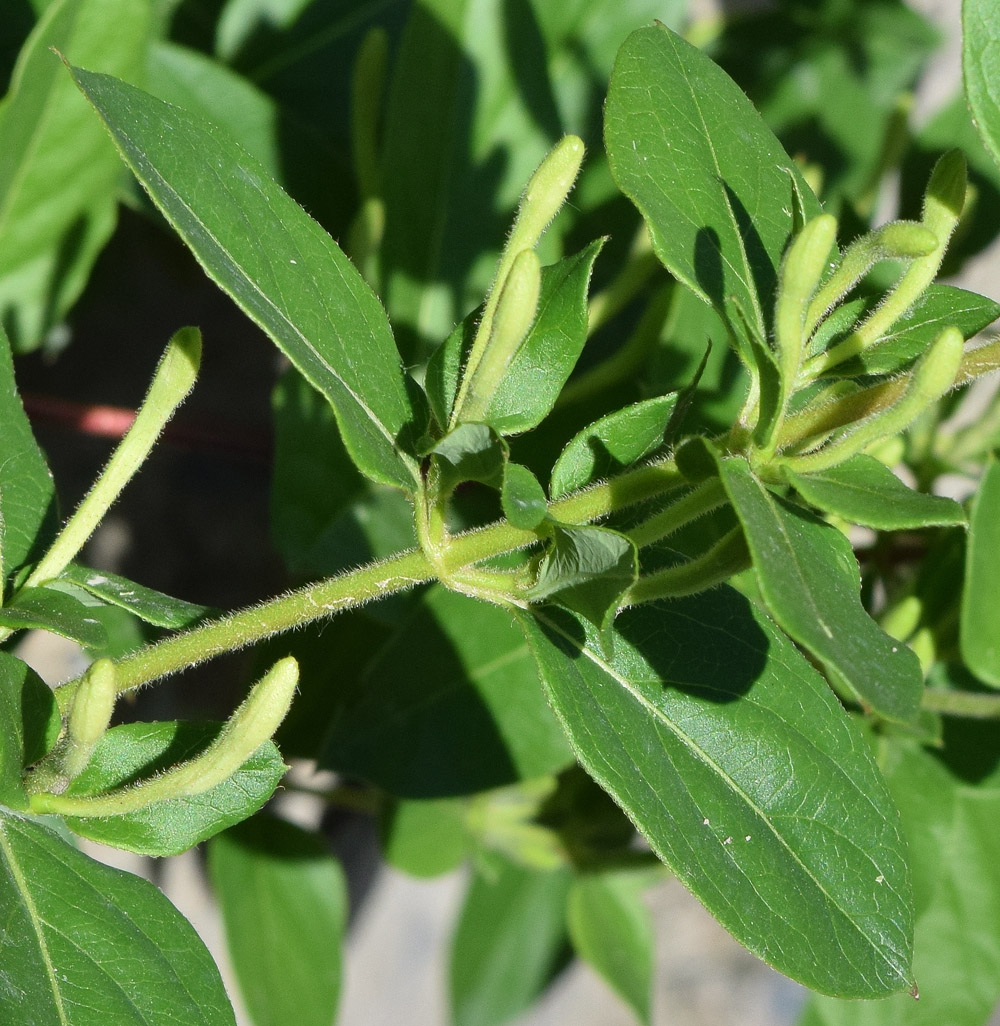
point(173, 380)
point(975, 705)
point(377, 580)
point(703, 499)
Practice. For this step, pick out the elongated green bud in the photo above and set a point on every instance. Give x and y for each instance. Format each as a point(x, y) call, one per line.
point(898, 240)
point(173, 380)
point(90, 715)
point(943, 203)
point(512, 321)
point(932, 375)
point(253, 723)
point(801, 271)
point(541, 200)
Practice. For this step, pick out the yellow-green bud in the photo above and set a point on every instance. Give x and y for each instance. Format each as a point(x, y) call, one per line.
point(546, 192)
point(90, 715)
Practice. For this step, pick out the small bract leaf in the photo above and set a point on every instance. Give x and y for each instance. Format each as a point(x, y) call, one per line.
point(522, 497)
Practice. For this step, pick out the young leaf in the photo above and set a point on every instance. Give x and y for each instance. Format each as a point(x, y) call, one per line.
point(746, 777)
point(31, 724)
point(140, 750)
point(612, 930)
point(612, 443)
point(506, 943)
point(864, 491)
point(87, 944)
point(52, 610)
point(980, 624)
point(981, 66)
point(27, 495)
point(810, 581)
point(152, 606)
point(467, 713)
point(59, 175)
point(284, 904)
point(471, 452)
point(299, 287)
point(712, 182)
point(522, 497)
point(544, 361)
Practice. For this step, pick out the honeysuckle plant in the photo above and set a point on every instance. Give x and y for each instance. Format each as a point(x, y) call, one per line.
point(653, 649)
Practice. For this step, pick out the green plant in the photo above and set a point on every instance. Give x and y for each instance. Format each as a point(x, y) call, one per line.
point(683, 580)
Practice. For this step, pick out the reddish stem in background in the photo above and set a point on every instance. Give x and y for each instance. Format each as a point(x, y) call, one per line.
point(101, 421)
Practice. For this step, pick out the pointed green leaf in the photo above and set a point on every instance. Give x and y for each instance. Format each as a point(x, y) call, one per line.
point(611, 929)
point(810, 581)
point(981, 67)
point(284, 904)
point(939, 307)
point(612, 443)
point(467, 712)
point(980, 624)
point(31, 724)
point(951, 827)
point(140, 750)
point(299, 287)
point(88, 945)
point(864, 491)
point(27, 494)
point(59, 174)
point(522, 497)
point(506, 942)
point(547, 356)
point(152, 606)
point(52, 610)
point(747, 778)
point(712, 182)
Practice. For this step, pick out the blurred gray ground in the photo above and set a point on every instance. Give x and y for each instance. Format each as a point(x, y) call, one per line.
point(396, 968)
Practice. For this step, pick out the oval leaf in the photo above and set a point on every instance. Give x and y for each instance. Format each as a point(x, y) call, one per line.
point(747, 778)
point(864, 491)
point(810, 581)
point(284, 903)
point(711, 180)
point(31, 725)
point(297, 284)
point(981, 67)
point(90, 945)
point(980, 624)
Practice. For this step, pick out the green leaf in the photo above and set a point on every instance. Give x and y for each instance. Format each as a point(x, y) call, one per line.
point(980, 624)
point(981, 68)
point(546, 358)
point(864, 491)
point(951, 827)
point(27, 494)
point(425, 838)
point(139, 750)
point(712, 182)
point(31, 724)
point(90, 945)
point(587, 569)
point(284, 904)
point(612, 443)
point(152, 606)
point(471, 452)
point(939, 307)
point(466, 710)
point(746, 777)
point(522, 497)
point(506, 942)
point(611, 929)
point(52, 610)
point(58, 172)
point(300, 288)
point(810, 581)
